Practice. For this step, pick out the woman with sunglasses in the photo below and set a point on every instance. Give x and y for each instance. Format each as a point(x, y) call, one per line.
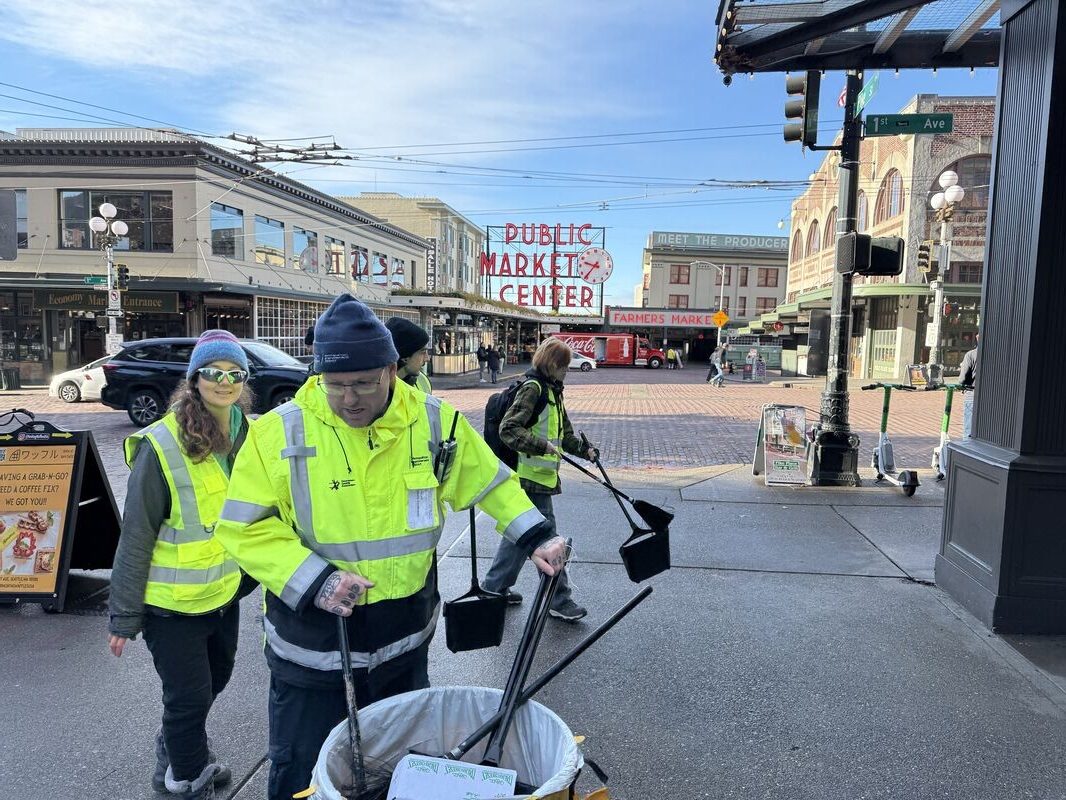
point(172, 580)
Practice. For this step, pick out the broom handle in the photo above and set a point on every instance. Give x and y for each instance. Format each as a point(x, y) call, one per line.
point(355, 738)
point(473, 551)
point(594, 477)
point(470, 741)
point(617, 499)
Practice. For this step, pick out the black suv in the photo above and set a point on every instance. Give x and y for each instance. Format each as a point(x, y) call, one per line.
point(143, 375)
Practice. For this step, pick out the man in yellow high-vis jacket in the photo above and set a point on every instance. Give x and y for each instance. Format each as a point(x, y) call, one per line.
point(336, 505)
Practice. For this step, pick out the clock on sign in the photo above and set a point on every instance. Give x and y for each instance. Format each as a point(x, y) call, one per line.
point(595, 265)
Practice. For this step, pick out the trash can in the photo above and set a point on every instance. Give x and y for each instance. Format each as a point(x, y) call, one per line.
point(10, 379)
point(540, 747)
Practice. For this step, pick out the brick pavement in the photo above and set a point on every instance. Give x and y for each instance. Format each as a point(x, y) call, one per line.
point(641, 419)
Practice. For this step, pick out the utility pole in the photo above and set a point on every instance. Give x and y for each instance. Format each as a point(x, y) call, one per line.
point(835, 452)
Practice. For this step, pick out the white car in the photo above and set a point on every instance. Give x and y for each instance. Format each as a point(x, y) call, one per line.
point(583, 363)
point(83, 383)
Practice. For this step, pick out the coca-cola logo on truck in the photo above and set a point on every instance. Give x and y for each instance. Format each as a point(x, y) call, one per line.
point(586, 346)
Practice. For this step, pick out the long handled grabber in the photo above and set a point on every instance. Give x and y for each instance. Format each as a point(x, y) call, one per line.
point(646, 552)
point(658, 519)
point(527, 649)
point(490, 724)
point(355, 739)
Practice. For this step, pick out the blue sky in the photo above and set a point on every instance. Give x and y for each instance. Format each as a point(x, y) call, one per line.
point(392, 74)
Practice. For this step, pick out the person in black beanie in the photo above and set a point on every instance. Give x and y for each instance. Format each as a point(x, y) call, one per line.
point(337, 503)
point(411, 343)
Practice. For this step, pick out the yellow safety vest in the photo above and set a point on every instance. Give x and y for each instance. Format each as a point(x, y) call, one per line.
point(544, 469)
point(190, 572)
point(309, 493)
point(422, 383)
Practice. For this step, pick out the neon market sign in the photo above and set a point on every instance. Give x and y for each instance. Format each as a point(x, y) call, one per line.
point(539, 266)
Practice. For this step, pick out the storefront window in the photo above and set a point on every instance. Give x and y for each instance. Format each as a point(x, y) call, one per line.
point(149, 216)
point(380, 269)
point(269, 242)
point(22, 335)
point(227, 231)
point(304, 250)
point(284, 323)
point(399, 268)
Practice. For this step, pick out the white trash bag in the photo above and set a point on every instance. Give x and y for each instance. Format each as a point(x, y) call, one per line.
point(540, 746)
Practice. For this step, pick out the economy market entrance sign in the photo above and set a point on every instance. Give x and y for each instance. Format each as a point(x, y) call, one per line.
point(549, 268)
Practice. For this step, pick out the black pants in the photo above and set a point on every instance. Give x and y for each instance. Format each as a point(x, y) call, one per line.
point(194, 657)
point(301, 718)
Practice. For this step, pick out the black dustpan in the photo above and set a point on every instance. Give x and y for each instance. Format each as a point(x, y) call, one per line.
point(475, 620)
point(646, 552)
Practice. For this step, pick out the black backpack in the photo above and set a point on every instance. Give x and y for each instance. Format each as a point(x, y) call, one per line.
point(495, 410)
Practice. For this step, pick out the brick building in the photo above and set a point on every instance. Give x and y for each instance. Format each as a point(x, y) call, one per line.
point(898, 175)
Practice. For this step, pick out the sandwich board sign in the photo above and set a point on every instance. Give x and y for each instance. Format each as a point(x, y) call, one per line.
point(57, 511)
point(781, 447)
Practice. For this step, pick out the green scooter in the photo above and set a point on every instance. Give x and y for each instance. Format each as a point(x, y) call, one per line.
point(940, 452)
point(883, 461)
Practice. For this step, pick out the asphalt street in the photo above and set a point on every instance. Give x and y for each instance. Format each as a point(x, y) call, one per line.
point(796, 649)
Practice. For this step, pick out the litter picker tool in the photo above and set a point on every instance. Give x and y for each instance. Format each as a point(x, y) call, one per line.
point(476, 619)
point(646, 552)
point(367, 784)
point(657, 518)
point(527, 648)
point(489, 725)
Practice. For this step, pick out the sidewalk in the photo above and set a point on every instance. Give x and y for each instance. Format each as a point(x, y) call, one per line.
point(795, 650)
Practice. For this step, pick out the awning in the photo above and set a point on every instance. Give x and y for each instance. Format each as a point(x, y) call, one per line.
point(793, 35)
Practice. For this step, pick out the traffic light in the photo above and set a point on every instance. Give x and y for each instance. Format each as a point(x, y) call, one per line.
point(122, 277)
point(864, 255)
point(804, 107)
point(926, 264)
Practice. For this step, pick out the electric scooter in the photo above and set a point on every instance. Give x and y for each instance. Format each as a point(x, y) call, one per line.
point(940, 453)
point(883, 461)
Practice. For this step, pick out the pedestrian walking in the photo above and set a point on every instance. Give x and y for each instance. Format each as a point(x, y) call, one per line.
point(412, 343)
point(671, 357)
point(493, 357)
point(482, 361)
point(968, 375)
point(715, 375)
point(336, 505)
point(538, 440)
point(189, 616)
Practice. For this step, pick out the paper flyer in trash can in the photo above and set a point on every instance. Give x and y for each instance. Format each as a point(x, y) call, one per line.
point(425, 778)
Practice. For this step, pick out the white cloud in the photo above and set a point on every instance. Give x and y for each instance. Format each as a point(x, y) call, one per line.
point(373, 72)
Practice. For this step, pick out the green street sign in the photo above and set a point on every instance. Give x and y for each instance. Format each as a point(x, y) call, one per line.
point(867, 91)
point(899, 124)
point(95, 280)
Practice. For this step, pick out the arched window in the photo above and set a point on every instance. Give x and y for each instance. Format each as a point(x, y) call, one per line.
point(797, 247)
point(829, 237)
point(862, 214)
point(889, 197)
point(814, 241)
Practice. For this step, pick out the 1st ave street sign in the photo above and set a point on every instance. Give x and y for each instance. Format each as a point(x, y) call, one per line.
point(899, 124)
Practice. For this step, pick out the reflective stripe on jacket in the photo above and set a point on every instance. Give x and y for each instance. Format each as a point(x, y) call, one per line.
point(310, 493)
point(190, 573)
point(544, 469)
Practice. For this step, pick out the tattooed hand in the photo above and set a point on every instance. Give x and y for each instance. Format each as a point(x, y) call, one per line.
point(341, 591)
point(550, 557)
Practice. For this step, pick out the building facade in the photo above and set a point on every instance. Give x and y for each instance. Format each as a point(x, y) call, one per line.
point(740, 274)
point(898, 174)
point(455, 242)
point(214, 242)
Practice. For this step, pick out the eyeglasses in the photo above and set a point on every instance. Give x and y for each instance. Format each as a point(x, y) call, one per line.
point(217, 375)
point(338, 390)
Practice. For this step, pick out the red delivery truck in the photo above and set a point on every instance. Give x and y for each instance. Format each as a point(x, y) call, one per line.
point(614, 349)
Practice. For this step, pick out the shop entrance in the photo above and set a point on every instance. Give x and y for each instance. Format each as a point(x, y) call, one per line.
point(90, 339)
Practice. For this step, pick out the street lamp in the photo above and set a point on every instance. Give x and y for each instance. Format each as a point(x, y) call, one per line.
point(109, 230)
point(721, 294)
point(943, 203)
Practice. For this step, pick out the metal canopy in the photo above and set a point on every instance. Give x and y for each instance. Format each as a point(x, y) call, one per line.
point(793, 35)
